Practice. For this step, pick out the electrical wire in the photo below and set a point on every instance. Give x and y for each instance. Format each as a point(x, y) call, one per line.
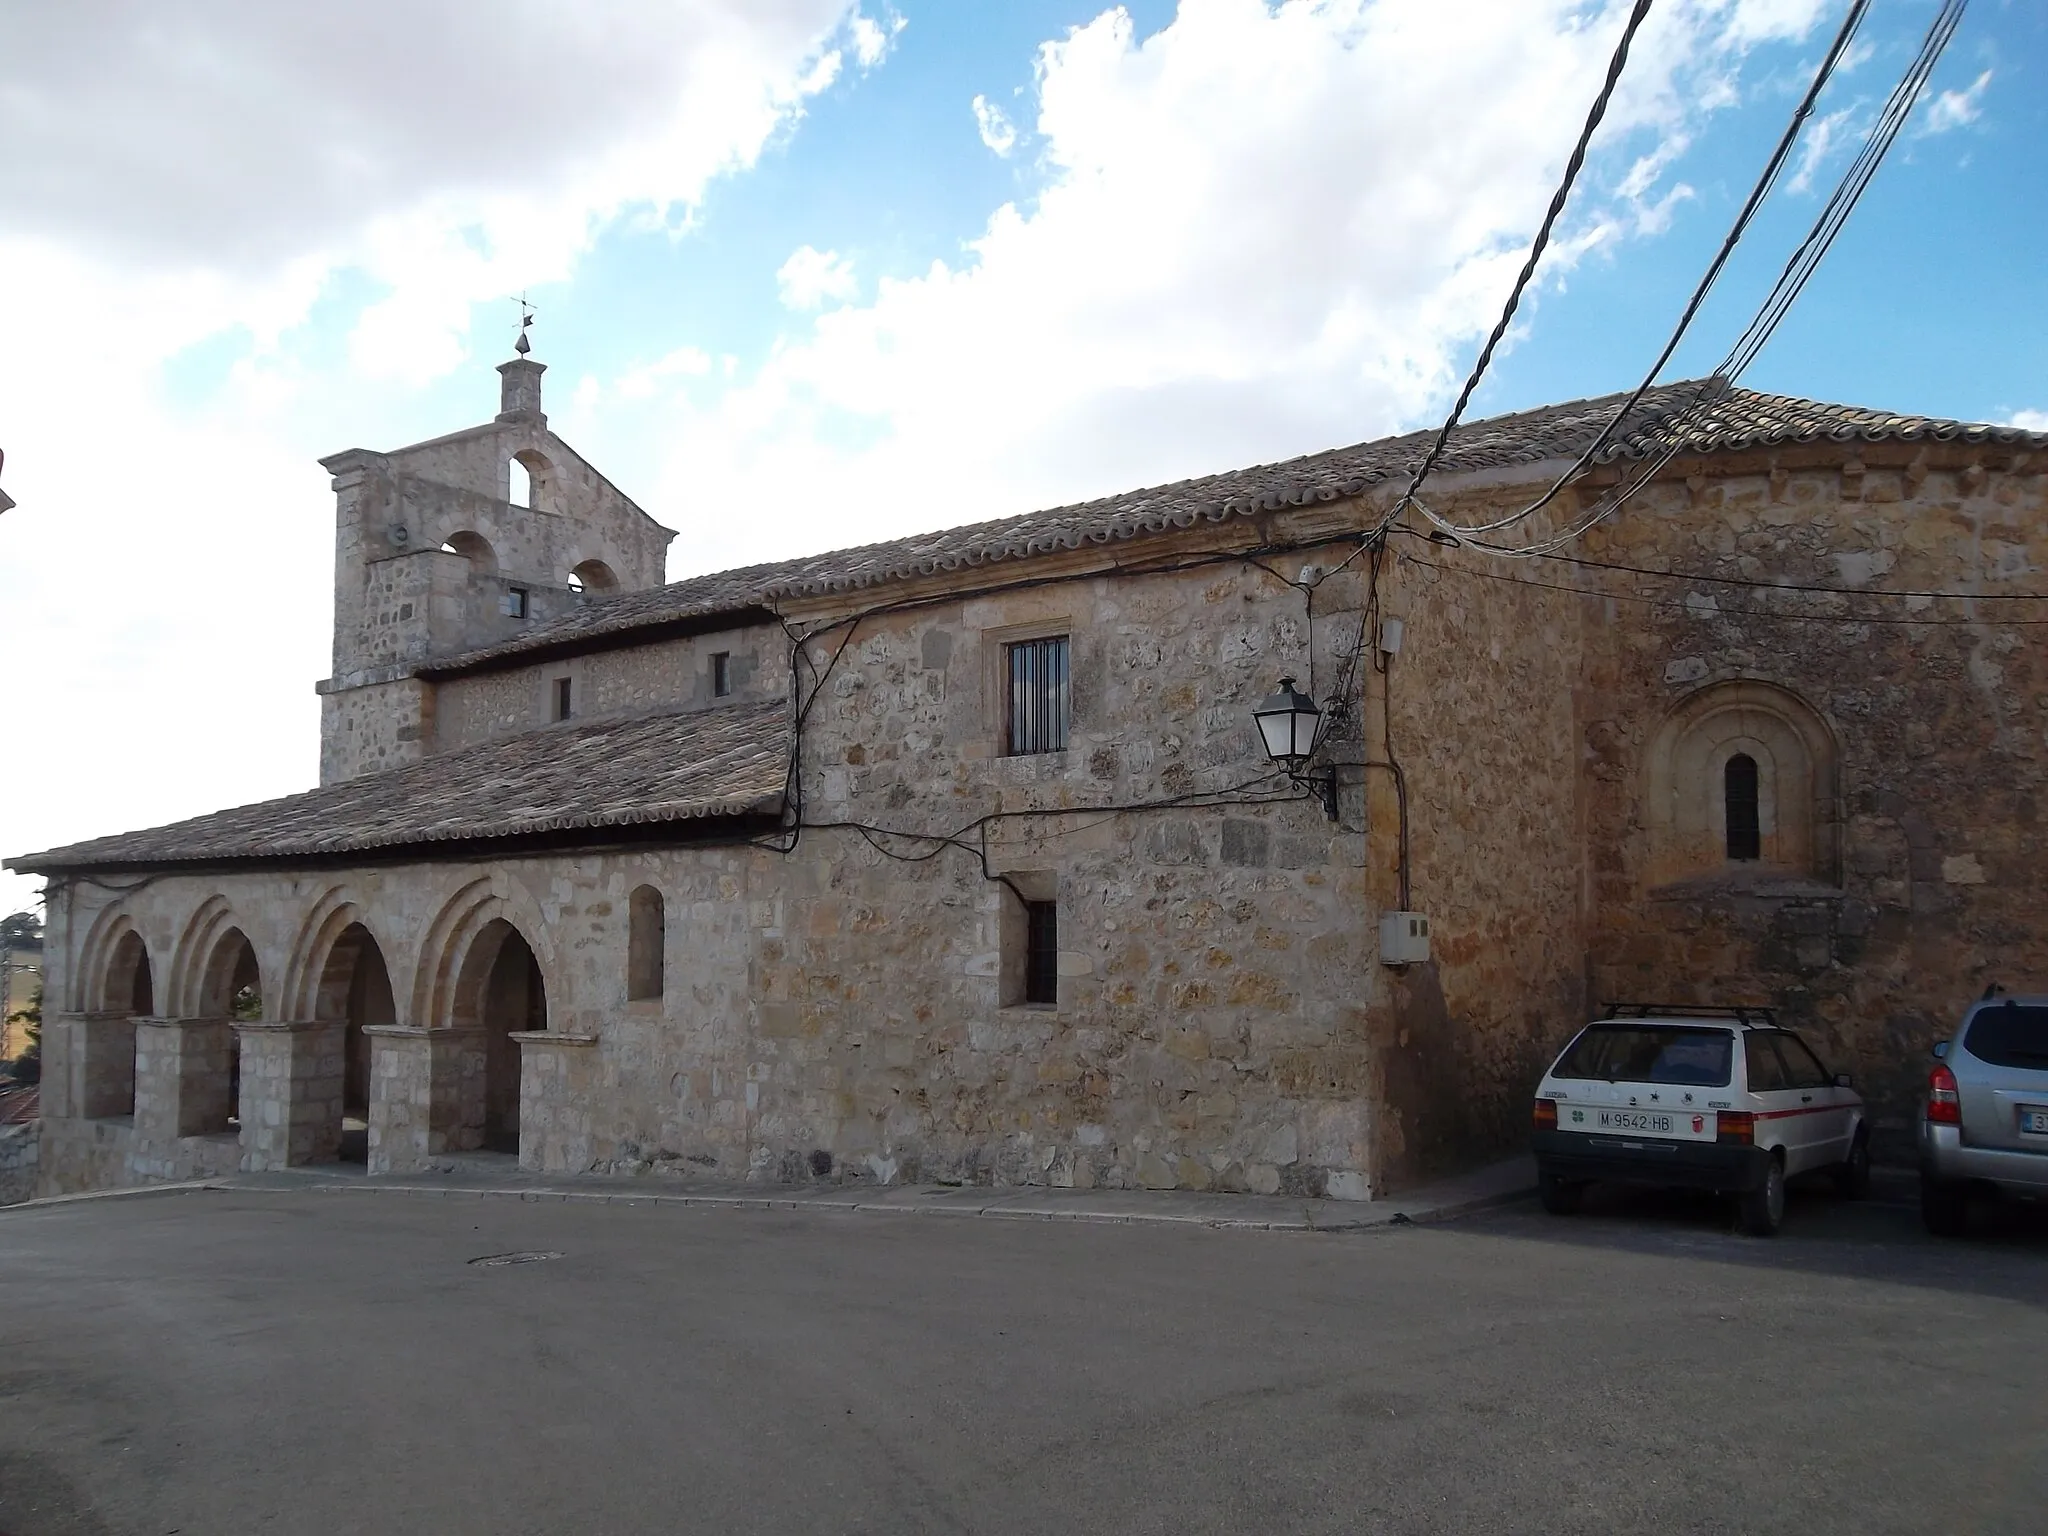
point(1798, 586)
point(1557, 202)
point(1844, 36)
point(1717, 612)
point(1799, 268)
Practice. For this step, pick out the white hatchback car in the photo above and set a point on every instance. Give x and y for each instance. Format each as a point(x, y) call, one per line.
point(1701, 1098)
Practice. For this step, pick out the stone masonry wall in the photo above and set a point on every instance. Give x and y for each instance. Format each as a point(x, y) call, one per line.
point(1938, 711)
point(20, 1161)
point(836, 1012)
point(1482, 723)
point(669, 674)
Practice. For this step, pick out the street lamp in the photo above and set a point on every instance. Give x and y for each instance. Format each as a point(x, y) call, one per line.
point(1289, 725)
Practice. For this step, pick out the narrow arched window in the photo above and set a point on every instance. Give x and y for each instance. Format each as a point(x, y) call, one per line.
point(644, 944)
point(1745, 834)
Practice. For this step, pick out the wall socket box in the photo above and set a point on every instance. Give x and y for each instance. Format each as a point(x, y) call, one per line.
point(1404, 938)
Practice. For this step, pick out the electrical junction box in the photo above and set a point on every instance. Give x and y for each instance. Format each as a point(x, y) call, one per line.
point(1404, 938)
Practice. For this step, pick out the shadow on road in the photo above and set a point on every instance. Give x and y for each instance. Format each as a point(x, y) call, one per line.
point(2005, 1256)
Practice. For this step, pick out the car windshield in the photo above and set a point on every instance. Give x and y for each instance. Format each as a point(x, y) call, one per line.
point(1650, 1053)
point(2010, 1035)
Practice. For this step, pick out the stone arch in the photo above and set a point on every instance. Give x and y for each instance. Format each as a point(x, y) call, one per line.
point(106, 980)
point(594, 578)
point(488, 972)
point(452, 934)
point(474, 548)
point(231, 980)
point(1793, 753)
point(198, 947)
point(340, 974)
point(129, 983)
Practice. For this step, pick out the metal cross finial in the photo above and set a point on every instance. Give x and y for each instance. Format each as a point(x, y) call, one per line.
point(522, 346)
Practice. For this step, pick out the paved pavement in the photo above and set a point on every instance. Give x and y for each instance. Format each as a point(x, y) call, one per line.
point(305, 1360)
point(500, 1175)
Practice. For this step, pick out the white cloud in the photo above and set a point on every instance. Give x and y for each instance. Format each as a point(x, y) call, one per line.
point(1816, 144)
point(2029, 421)
point(812, 278)
point(1195, 287)
point(185, 183)
point(996, 129)
point(1956, 109)
point(683, 363)
point(871, 39)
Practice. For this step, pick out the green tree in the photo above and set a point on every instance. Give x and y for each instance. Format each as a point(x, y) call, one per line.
point(20, 928)
point(28, 1066)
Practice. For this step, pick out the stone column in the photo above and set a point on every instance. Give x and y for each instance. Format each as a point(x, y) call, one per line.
point(426, 1094)
point(555, 1122)
point(103, 1064)
point(182, 1070)
point(291, 1093)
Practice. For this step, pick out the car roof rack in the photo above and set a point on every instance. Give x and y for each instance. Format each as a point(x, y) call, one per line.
point(1743, 1013)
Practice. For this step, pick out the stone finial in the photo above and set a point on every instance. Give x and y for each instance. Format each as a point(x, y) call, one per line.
point(519, 399)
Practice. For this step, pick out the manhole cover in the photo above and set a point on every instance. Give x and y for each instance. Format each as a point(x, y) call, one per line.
point(493, 1260)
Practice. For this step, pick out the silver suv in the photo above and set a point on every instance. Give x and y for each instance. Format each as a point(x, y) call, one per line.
point(1984, 1124)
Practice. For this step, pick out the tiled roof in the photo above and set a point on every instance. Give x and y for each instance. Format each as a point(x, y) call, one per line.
point(661, 768)
point(1714, 418)
point(18, 1106)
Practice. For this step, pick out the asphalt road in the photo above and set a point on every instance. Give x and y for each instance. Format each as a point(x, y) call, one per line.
point(317, 1362)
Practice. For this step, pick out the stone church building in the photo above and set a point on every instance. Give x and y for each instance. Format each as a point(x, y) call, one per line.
point(959, 857)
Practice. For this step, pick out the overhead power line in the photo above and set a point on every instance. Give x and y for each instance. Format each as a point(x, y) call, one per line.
point(1769, 315)
point(1773, 167)
point(1772, 615)
point(1557, 202)
point(1797, 586)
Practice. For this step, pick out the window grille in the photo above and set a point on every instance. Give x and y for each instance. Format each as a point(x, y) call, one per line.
point(1038, 696)
point(1041, 952)
point(1745, 834)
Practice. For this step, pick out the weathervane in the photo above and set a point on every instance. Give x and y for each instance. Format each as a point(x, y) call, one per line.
point(522, 346)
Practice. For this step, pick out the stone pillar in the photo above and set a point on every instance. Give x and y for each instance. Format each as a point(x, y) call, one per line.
point(182, 1072)
point(555, 1121)
point(426, 1094)
point(291, 1093)
point(103, 1064)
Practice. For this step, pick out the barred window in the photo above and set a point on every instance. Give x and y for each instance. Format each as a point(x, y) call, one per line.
point(1038, 696)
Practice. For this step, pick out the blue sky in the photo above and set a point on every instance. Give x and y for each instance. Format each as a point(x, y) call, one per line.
point(810, 274)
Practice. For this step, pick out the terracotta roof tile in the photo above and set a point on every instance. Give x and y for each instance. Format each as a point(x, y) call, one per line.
point(1718, 418)
point(611, 773)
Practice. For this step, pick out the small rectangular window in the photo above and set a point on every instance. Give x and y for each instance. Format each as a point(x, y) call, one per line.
point(514, 604)
point(1036, 696)
point(563, 687)
point(1042, 952)
point(721, 673)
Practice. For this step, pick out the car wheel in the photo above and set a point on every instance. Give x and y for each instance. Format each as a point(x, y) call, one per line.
point(1944, 1206)
point(1763, 1208)
point(1560, 1196)
point(1852, 1179)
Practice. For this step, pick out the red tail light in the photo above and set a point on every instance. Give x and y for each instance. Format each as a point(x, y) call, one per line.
point(1944, 1104)
point(1735, 1127)
point(1546, 1115)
